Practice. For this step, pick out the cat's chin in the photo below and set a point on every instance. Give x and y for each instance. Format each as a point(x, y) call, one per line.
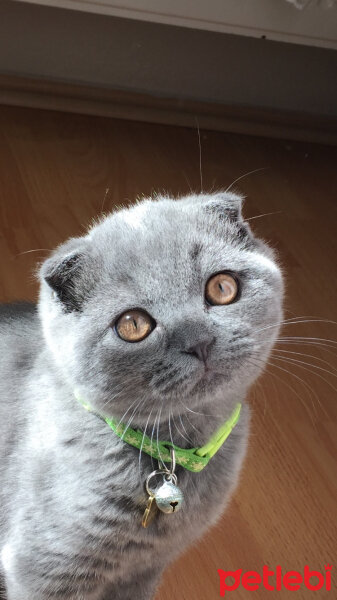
point(204, 382)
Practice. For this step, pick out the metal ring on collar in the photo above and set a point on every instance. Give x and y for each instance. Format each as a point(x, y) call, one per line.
point(158, 472)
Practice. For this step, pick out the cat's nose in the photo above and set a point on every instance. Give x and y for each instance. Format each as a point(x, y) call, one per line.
point(201, 349)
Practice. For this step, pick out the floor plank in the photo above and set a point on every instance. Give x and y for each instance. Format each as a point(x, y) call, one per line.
point(59, 171)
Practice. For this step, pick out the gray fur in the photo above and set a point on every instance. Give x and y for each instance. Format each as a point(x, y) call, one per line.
point(72, 493)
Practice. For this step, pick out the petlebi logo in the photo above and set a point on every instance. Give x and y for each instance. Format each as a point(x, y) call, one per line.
point(276, 579)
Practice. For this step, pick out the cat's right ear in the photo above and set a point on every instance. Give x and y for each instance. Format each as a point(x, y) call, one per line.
point(64, 273)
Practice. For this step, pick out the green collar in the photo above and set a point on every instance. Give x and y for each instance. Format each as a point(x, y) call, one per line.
point(193, 459)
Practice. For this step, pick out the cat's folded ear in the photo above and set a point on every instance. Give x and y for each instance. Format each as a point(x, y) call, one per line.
point(65, 273)
point(226, 206)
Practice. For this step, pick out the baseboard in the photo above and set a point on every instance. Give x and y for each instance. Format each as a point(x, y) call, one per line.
point(81, 99)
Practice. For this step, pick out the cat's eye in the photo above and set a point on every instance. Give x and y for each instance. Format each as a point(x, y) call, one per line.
point(134, 326)
point(221, 289)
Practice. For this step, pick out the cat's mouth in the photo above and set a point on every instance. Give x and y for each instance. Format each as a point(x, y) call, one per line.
point(210, 376)
point(208, 373)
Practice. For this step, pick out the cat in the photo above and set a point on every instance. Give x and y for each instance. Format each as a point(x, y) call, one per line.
point(161, 316)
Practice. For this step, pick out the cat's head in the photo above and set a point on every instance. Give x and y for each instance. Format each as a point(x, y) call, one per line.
point(163, 301)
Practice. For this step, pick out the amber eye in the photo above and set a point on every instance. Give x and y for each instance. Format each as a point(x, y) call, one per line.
point(134, 326)
point(221, 289)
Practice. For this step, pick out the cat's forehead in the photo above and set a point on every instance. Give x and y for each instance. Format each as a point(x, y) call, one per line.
point(169, 246)
point(163, 236)
point(164, 222)
point(157, 216)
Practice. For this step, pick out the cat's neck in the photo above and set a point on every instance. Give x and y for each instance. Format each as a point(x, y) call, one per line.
point(190, 428)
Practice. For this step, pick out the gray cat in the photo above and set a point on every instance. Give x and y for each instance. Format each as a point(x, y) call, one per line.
point(161, 316)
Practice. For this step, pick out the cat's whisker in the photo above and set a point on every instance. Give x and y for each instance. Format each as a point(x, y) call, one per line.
point(158, 426)
point(294, 342)
point(115, 397)
point(277, 212)
point(211, 191)
point(190, 422)
point(316, 397)
point(187, 181)
point(200, 155)
point(184, 428)
point(192, 483)
point(126, 412)
point(142, 444)
point(303, 318)
point(299, 364)
point(278, 350)
point(119, 391)
point(300, 340)
point(169, 423)
point(187, 437)
point(322, 347)
point(152, 434)
point(199, 413)
point(245, 175)
point(297, 321)
point(35, 250)
point(107, 190)
point(304, 339)
point(178, 430)
point(261, 342)
point(312, 393)
point(266, 370)
point(140, 403)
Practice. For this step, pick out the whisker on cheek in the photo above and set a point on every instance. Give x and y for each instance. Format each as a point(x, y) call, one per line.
point(161, 382)
point(142, 444)
point(290, 387)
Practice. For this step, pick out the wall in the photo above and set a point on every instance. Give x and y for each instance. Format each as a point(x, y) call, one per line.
point(164, 60)
point(273, 19)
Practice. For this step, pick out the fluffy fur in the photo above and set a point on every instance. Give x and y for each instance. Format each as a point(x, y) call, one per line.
point(71, 492)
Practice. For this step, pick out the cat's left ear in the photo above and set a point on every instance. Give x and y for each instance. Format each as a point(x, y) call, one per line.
point(65, 273)
point(226, 206)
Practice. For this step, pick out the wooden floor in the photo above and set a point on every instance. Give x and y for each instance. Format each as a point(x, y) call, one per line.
point(57, 170)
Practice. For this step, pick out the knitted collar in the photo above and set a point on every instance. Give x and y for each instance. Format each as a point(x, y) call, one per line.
point(192, 459)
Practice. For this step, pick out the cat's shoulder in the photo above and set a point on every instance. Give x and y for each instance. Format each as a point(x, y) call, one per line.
point(19, 327)
point(13, 313)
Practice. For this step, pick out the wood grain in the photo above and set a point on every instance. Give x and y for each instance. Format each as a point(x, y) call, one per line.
point(56, 172)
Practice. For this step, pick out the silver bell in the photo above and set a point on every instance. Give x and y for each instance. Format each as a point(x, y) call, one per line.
point(169, 498)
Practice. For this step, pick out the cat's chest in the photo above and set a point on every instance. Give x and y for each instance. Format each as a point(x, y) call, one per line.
point(109, 495)
point(120, 501)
